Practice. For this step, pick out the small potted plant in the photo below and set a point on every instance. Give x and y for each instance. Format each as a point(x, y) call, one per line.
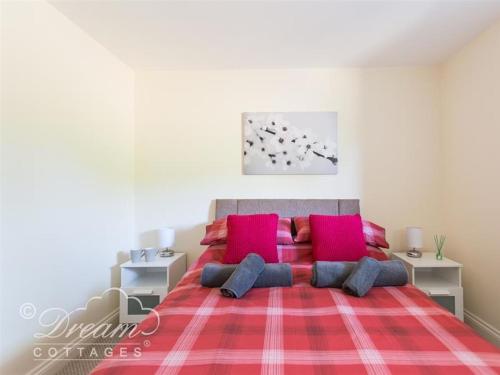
point(439, 241)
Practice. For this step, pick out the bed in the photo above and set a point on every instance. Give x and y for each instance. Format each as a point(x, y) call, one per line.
point(300, 329)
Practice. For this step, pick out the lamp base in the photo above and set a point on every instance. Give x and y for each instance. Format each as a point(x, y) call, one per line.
point(165, 253)
point(414, 253)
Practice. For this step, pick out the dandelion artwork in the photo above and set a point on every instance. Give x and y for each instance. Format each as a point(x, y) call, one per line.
point(290, 143)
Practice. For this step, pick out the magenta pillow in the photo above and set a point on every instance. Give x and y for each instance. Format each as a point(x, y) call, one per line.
point(216, 233)
point(337, 238)
point(251, 234)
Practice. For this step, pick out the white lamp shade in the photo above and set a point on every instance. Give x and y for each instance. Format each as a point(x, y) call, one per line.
point(166, 237)
point(414, 237)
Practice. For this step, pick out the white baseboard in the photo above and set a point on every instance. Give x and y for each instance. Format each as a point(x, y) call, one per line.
point(485, 329)
point(52, 366)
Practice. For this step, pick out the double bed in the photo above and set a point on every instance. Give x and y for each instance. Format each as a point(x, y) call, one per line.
point(299, 329)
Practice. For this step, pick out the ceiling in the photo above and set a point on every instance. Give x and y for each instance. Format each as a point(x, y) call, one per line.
point(280, 34)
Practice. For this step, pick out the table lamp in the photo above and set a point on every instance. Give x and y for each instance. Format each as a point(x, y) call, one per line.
point(166, 238)
point(414, 238)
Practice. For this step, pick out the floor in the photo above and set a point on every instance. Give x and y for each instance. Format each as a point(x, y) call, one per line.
point(85, 366)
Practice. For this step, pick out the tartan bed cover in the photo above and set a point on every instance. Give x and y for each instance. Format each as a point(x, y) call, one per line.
point(301, 330)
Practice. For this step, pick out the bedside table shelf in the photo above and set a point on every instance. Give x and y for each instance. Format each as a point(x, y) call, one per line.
point(146, 284)
point(441, 280)
point(430, 281)
point(148, 279)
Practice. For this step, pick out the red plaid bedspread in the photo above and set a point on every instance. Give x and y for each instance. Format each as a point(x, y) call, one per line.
point(301, 330)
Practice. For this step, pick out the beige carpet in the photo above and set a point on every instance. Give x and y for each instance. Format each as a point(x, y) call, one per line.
point(85, 365)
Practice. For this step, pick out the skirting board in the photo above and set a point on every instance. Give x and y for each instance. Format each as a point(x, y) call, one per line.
point(51, 367)
point(485, 329)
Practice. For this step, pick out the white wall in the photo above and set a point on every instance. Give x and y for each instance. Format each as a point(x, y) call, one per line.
point(67, 170)
point(188, 144)
point(68, 159)
point(471, 179)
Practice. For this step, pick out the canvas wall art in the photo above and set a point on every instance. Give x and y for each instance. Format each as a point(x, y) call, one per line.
point(290, 142)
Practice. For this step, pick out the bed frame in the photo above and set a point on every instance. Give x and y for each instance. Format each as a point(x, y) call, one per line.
point(286, 207)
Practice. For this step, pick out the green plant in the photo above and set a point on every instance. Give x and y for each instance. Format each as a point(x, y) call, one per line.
point(439, 241)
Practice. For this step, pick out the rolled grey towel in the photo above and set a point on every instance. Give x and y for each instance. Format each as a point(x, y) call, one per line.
point(275, 274)
point(330, 274)
point(243, 277)
point(333, 274)
point(392, 273)
point(214, 275)
point(362, 277)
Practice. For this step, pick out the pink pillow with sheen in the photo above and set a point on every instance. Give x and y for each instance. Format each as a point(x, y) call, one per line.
point(374, 234)
point(284, 234)
point(302, 228)
point(337, 238)
point(251, 234)
point(215, 233)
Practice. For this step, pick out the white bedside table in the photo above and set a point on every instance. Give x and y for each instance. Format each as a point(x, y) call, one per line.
point(149, 283)
point(440, 279)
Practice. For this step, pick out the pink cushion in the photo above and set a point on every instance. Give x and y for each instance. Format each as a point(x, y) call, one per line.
point(284, 235)
point(337, 238)
point(216, 233)
point(251, 234)
point(374, 234)
point(376, 253)
point(302, 228)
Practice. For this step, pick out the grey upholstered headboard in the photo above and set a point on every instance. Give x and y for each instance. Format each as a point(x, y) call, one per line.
point(286, 207)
